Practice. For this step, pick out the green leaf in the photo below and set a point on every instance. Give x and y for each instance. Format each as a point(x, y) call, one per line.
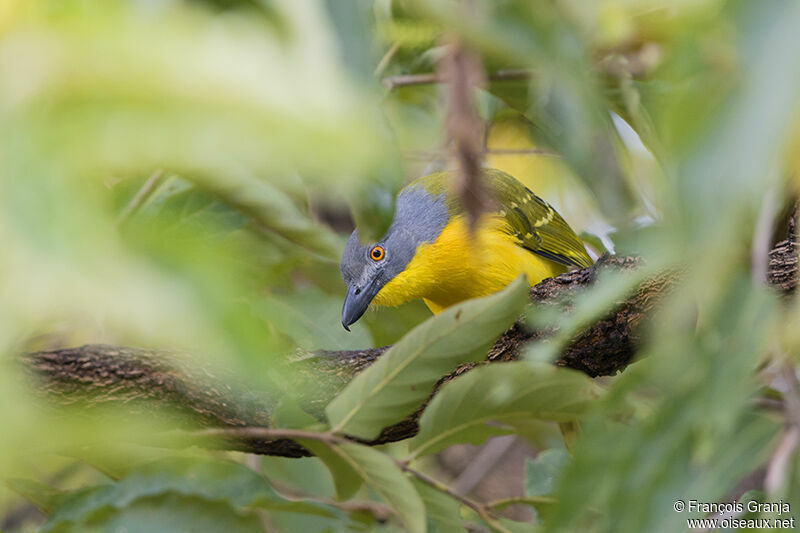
point(179, 204)
point(380, 472)
point(501, 394)
point(117, 461)
point(352, 22)
point(542, 505)
point(288, 414)
point(274, 210)
point(44, 497)
point(512, 526)
point(395, 385)
point(311, 318)
point(207, 205)
point(541, 473)
point(444, 512)
point(211, 481)
point(346, 479)
point(306, 475)
point(752, 496)
point(176, 512)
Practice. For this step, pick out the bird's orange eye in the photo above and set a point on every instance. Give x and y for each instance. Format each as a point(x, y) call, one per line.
point(377, 253)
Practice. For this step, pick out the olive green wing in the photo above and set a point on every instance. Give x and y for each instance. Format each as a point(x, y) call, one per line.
point(535, 224)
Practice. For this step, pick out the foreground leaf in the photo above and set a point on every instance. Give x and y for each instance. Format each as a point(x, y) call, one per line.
point(444, 513)
point(380, 472)
point(395, 385)
point(346, 479)
point(192, 479)
point(310, 318)
point(44, 497)
point(502, 394)
point(176, 512)
point(541, 473)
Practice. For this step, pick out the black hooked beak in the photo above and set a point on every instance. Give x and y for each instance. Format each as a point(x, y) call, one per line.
point(356, 303)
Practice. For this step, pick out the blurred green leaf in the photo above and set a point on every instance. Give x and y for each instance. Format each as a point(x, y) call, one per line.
point(372, 206)
point(274, 210)
point(198, 480)
point(393, 386)
point(44, 497)
point(488, 401)
point(308, 475)
point(342, 523)
point(170, 512)
point(178, 204)
point(289, 414)
point(518, 527)
point(311, 318)
point(589, 305)
point(346, 479)
point(751, 496)
point(353, 23)
point(698, 438)
point(444, 512)
point(541, 473)
point(732, 164)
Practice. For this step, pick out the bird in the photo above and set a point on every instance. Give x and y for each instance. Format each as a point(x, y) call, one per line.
point(433, 252)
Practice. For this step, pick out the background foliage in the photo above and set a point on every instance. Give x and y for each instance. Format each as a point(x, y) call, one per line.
point(182, 175)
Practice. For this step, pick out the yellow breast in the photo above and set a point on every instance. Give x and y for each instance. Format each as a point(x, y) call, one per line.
point(460, 265)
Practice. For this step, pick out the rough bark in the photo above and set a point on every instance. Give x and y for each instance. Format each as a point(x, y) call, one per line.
point(140, 380)
point(783, 263)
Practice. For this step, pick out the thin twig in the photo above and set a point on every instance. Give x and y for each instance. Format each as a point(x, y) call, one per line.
point(404, 80)
point(483, 511)
point(380, 511)
point(793, 393)
point(769, 404)
point(464, 72)
point(386, 59)
point(141, 196)
point(779, 462)
point(429, 154)
point(429, 78)
point(527, 500)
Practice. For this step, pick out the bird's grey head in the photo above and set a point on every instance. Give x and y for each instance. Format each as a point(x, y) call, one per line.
point(419, 217)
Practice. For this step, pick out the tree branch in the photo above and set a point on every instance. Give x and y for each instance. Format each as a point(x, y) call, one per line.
point(138, 380)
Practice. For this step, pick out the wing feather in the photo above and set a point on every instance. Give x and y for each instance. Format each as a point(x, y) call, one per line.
point(535, 224)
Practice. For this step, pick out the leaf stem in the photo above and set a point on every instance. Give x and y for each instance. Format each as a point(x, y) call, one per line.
point(269, 434)
point(527, 500)
point(141, 196)
point(482, 510)
point(386, 59)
